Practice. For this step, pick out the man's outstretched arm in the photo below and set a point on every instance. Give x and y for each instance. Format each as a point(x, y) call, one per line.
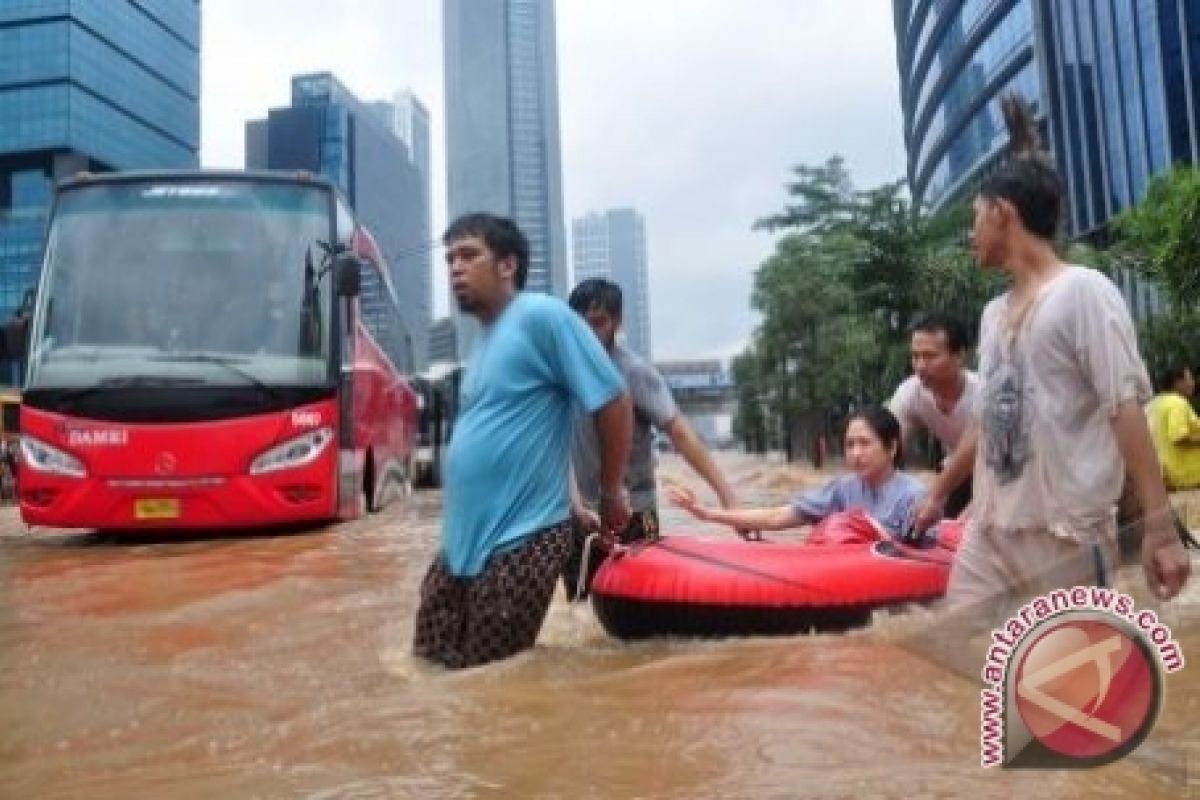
point(698, 458)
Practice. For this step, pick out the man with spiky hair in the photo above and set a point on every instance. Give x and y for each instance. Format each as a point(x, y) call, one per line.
point(1061, 419)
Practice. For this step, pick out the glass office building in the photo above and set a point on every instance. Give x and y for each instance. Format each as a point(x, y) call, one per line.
point(502, 134)
point(328, 131)
point(1115, 83)
point(1123, 77)
point(612, 245)
point(93, 85)
point(956, 57)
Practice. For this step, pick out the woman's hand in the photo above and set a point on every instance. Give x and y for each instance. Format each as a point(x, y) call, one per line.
point(685, 498)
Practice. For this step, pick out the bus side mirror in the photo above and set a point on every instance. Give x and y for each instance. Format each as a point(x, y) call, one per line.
point(349, 275)
point(16, 338)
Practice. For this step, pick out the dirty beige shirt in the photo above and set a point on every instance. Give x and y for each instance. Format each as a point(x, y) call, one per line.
point(1048, 455)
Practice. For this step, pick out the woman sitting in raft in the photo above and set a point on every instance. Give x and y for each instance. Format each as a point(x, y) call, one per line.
point(875, 485)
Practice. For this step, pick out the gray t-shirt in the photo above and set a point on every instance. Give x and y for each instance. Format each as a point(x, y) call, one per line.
point(892, 505)
point(653, 407)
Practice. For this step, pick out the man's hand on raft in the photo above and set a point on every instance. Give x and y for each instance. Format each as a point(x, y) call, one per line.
point(614, 516)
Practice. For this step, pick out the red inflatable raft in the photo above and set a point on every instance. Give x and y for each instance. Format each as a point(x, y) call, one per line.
point(685, 586)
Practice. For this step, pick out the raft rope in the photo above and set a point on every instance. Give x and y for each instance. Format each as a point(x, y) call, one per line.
point(617, 551)
point(732, 567)
point(620, 550)
point(581, 582)
point(758, 573)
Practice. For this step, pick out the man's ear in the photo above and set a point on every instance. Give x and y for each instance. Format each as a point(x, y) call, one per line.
point(1006, 212)
point(507, 267)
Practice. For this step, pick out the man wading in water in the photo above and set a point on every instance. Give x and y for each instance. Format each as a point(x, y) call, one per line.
point(505, 529)
point(1061, 419)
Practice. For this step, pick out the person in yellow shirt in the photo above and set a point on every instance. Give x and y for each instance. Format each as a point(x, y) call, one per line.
point(1175, 428)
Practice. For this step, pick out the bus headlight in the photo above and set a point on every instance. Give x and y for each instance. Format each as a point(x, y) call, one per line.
point(39, 456)
point(297, 452)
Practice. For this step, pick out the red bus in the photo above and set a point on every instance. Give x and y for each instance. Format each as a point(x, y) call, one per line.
point(212, 350)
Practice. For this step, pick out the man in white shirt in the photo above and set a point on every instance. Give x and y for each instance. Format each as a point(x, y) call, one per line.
point(941, 395)
point(1061, 420)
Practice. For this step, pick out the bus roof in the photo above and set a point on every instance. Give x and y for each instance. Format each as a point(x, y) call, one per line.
point(140, 176)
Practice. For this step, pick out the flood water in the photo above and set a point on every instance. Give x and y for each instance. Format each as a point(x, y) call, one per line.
point(277, 666)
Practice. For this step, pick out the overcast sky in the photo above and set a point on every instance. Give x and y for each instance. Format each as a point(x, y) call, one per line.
point(691, 111)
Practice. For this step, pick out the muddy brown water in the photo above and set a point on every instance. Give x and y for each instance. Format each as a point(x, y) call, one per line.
point(277, 666)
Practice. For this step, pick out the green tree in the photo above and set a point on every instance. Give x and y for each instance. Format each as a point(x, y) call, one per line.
point(837, 297)
point(823, 200)
point(1161, 235)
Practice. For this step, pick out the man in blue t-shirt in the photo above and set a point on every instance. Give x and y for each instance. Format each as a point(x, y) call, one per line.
point(505, 529)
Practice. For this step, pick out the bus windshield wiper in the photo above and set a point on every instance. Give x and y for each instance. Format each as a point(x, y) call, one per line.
point(230, 363)
point(127, 382)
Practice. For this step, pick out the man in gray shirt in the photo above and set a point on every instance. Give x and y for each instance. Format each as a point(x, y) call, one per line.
point(599, 302)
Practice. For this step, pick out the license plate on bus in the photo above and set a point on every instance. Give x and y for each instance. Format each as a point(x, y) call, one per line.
point(156, 508)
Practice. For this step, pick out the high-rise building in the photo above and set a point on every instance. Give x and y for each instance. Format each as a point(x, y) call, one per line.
point(502, 135)
point(612, 245)
point(956, 57)
point(1116, 84)
point(443, 347)
point(410, 122)
point(328, 131)
point(87, 85)
point(1122, 80)
point(1115, 81)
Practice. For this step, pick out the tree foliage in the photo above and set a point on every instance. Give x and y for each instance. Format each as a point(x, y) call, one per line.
point(1160, 239)
point(1161, 235)
point(849, 275)
point(853, 269)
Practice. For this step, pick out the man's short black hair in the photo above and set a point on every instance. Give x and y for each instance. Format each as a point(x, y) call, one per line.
point(500, 234)
point(1170, 375)
point(952, 327)
point(596, 293)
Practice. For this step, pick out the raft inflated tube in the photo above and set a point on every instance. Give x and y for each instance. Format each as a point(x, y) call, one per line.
point(687, 586)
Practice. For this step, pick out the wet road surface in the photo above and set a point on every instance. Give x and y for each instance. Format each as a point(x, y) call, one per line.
point(277, 666)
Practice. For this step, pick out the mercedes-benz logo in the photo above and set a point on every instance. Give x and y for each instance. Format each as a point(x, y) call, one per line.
point(164, 463)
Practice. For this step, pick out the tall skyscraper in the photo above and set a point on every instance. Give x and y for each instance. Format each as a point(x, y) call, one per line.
point(612, 245)
point(956, 58)
point(1116, 84)
point(87, 85)
point(410, 122)
point(502, 135)
point(328, 131)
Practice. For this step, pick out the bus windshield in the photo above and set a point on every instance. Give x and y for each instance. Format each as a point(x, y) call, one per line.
point(197, 282)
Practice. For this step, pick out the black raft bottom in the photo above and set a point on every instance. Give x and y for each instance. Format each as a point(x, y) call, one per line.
point(639, 619)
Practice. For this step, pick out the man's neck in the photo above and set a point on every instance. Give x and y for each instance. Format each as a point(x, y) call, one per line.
point(489, 315)
point(1033, 264)
point(948, 395)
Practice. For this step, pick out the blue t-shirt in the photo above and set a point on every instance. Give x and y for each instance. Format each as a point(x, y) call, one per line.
point(506, 470)
point(892, 504)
